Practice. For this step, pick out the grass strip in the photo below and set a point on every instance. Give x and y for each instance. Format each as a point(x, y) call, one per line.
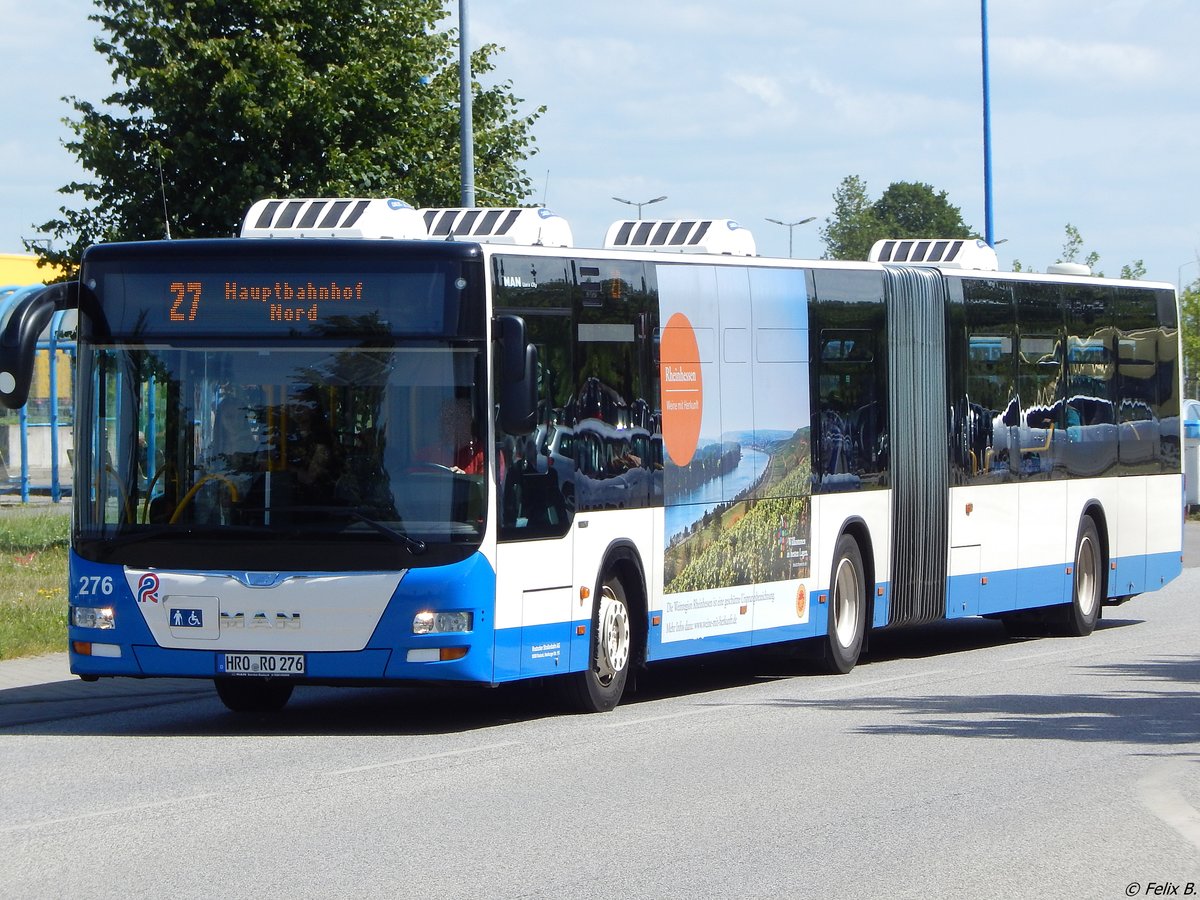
point(33, 581)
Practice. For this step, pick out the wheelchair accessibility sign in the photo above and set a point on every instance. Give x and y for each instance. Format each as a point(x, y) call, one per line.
point(187, 618)
point(194, 619)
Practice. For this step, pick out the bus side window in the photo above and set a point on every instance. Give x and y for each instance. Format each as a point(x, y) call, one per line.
point(850, 433)
point(1091, 390)
point(614, 383)
point(1139, 439)
point(991, 427)
point(848, 328)
point(1041, 383)
point(535, 484)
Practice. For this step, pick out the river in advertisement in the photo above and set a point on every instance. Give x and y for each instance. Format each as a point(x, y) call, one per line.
point(691, 506)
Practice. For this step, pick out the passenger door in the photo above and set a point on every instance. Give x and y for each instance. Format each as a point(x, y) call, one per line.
point(534, 484)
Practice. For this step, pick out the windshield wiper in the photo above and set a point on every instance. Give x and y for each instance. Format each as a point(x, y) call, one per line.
point(414, 545)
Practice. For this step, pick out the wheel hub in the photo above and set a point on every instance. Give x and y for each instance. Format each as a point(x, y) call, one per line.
point(1086, 579)
point(612, 638)
point(846, 594)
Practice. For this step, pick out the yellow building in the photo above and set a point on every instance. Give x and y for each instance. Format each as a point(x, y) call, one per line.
point(17, 271)
point(22, 269)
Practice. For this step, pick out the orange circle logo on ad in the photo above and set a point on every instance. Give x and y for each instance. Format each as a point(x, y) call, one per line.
point(682, 389)
point(801, 602)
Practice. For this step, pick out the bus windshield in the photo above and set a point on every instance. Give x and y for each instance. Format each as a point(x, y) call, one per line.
point(358, 458)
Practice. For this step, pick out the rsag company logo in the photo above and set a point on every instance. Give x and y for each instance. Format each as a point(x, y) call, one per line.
point(147, 590)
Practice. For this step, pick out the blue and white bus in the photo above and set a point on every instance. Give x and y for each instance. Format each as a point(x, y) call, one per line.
point(365, 444)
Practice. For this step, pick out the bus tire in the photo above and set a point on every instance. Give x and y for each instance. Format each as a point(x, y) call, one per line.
point(254, 695)
point(599, 687)
point(847, 608)
point(1079, 617)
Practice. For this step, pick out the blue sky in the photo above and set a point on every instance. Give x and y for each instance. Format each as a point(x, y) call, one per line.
point(759, 110)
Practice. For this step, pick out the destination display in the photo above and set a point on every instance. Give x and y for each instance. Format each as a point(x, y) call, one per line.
point(283, 300)
point(185, 301)
point(210, 304)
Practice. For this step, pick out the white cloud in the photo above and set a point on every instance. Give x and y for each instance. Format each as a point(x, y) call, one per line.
point(1078, 61)
point(761, 87)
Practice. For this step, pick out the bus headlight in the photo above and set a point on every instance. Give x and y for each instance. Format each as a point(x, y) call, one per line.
point(93, 617)
point(441, 622)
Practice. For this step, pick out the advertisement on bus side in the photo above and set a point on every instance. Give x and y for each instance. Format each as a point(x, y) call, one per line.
point(734, 378)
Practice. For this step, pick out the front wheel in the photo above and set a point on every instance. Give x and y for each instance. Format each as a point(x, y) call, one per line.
point(847, 608)
point(600, 686)
point(254, 695)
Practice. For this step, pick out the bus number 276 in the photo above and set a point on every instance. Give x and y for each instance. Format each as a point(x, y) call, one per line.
point(95, 586)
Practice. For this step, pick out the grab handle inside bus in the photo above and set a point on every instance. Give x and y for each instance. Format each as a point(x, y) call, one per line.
point(517, 369)
point(18, 342)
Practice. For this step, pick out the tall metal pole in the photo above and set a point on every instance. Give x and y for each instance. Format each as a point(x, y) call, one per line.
point(989, 230)
point(1182, 266)
point(466, 133)
point(643, 203)
point(789, 226)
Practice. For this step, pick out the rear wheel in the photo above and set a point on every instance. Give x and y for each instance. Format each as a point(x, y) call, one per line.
point(254, 694)
point(1078, 618)
point(847, 608)
point(600, 686)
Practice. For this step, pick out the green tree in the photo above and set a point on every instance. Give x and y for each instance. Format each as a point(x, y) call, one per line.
point(1189, 326)
point(1073, 248)
point(237, 100)
point(905, 210)
point(1134, 271)
point(850, 231)
point(912, 209)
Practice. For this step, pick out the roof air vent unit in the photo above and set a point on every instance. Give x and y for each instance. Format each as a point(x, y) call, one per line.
point(1068, 268)
point(722, 236)
point(344, 218)
point(527, 226)
point(954, 253)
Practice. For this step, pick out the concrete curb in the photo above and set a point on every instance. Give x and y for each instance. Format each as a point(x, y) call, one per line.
point(34, 670)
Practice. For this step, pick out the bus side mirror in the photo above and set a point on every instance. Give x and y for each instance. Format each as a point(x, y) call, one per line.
point(516, 368)
point(18, 342)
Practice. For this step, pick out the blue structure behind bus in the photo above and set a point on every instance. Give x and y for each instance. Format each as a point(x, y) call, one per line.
point(36, 466)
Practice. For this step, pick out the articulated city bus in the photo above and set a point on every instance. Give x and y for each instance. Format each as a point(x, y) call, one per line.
point(364, 444)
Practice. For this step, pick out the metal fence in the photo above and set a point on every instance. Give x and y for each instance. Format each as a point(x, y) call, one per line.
point(36, 441)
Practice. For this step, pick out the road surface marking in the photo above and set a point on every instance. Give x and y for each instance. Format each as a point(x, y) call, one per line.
point(116, 811)
point(408, 760)
point(1159, 795)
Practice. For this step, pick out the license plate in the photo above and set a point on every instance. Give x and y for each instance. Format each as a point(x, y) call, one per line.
point(260, 663)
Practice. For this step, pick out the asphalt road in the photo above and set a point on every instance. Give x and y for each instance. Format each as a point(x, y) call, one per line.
point(953, 763)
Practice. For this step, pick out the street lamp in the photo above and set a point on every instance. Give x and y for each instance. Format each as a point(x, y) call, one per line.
point(789, 226)
point(466, 135)
point(989, 233)
point(640, 205)
point(1182, 266)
